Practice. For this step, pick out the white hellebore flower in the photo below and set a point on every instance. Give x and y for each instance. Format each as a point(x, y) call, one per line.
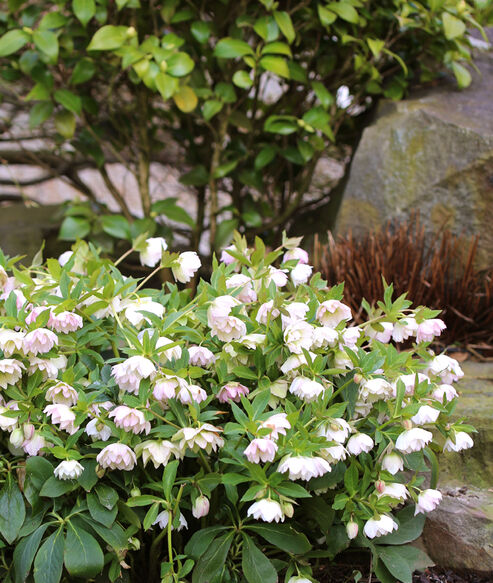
point(380, 526)
point(185, 267)
point(394, 490)
point(278, 276)
point(39, 341)
point(266, 510)
point(448, 369)
point(384, 335)
point(332, 312)
point(11, 341)
point(69, 470)
point(392, 463)
point(301, 273)
point(298, 336)
point(306, 389)
point(413, 439)
point(130, 372)
point(404, 329)
point(267, 312)
point(244, 284)
point(296, 254)
point(65, 322)
point(117, 456)
point(153, 251)
point(162, 520)
point(135, 310)
point(359, 443)
point(97, 430)
point(62, 393)
point(375, 390)
point(61, 415)
point(428, 500)
point(323, 337)
point(462, 441)
point(335, 430)
point(158, 452)
point(200, 507)
point(129, 419)
point(277, 423)
point(304, 467)
point(200, 356)
point(261, 450)
point(425, 414)
point(204, 437)
point(444, 392)
point(10, 371)
point(428, 329)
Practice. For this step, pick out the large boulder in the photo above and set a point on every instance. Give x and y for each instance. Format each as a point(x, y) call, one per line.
point(432, 152)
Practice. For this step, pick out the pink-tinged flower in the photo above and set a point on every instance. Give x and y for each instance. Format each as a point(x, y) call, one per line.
point(135, 310)
point(188, 394)
point(350, 336)
point(444, 392)
point(162, 521)
point(394, 490)
point(301, 273)
point(411, 381)
point(296, 311)
point(392, 463)
point(379, 526)
point(69, 470)
point(130, 372)
point(261, 450)
point(404, 329)
point(414, 439)
point(3, 276)
point(166, 388)
point(267, 312)
point(172, 353)
point(342, 360)
point(204, 437)
point(384, 335)
point(39, 341)
point(462, 441)
point(428, 329)
point(253, 341)
point(352, 530)
point(151, 255)
point(448, 369)
point(267, 510)
point(117, 456)
point(49, 367)
point(306, 389)
point(332, 312)
point(232, 392)
point(34, 443)
point(324, 337)
point(428, 500)
point(303, 467)
point(359, 443)
point(65, 322)
point(294, 362)
point(95, 409)
point(296, 254)
point(229, 328)
point(244, 284)
point(334, 453)
point(65, 257)
point(375, 390)
point(10, 372)
point(11, 341)
point(226, 258)
point(277, 423)
point(200, 507)
point(7, 423)
point(278, 276)
point(298, 336)
point(97, 430)
point(425, 414)
point(219, 309)
point(62, 393)
point(158, 452)
point(200, 356)
point(63, 416)
point(130, 419)
point(335, 430)
point(185, 267)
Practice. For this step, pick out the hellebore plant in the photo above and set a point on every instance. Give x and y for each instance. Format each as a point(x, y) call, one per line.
point(242, 434)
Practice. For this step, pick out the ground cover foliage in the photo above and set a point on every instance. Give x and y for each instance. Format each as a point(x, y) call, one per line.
point(251, 93)
point(241, 435)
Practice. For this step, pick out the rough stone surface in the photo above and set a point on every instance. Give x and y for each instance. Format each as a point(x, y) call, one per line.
point(432, 152)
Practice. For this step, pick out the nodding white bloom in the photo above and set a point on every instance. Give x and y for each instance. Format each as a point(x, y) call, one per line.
point(296, 254)
point(232, 392)
point(200, 356)
point(173, 353)
point(65, 322)
point(332, 312)
point(392, 463)
point(245, 284)
point(226, 258)
point(352, 530)
point(20, 298)
point(411, 381)
point(428, 329)
point(303, 467)
point(219, 309)
point(323, 337)
point(335, 430)
point(63, 416)
point(97, 430)
point(49, 367)
point(278, 276)
point(394, 490)
point(200, 507)
point(267, 510)
point(267, 312)
point(185, 267)
point(204, 437)
point(153, 251)
point(117, 456)
point(334, 453)
point(229, 328)
point(444, 391)
point(428, 500)
point(69, 470)
point(294, 362)
point(190, 394)
point(261, 450)
point(7, 423)
point(62, 393)
point(11, 341)
point(65, 257)
point(362, 408)
point(162, 520)
point(350, 336)
point(425, 414)
point(301, 273)
point(277, 423)
point(359, 443)
point(16, 438)
point(404, 329)
point(379, 526)
point(298, 336)
point(10, 371)
point(384, 335)
point(253, 341)
point(166, 387)
point(342, 360)
point(158, 452)
point(135, 310)
point(130, 419)
point(130, 372)
point(462, 441)
point(306, 389)
point(34, 443)
point(413, 439)
point(375, 390)
point(448, 369)
point(39, 341)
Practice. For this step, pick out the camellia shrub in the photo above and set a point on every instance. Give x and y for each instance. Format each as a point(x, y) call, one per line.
point(241, 435)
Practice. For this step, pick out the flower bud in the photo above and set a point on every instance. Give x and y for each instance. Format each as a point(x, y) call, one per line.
point(134, 492)
point(407, 424)
point(17, 438)
point(100, 472)
point(358, 378)
point(200, 507)
point(352, 530)
point(28, 430)
point(134, 543)
point(288, 509)
point(131, 32)
point(380, 486)
point(163, 65)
